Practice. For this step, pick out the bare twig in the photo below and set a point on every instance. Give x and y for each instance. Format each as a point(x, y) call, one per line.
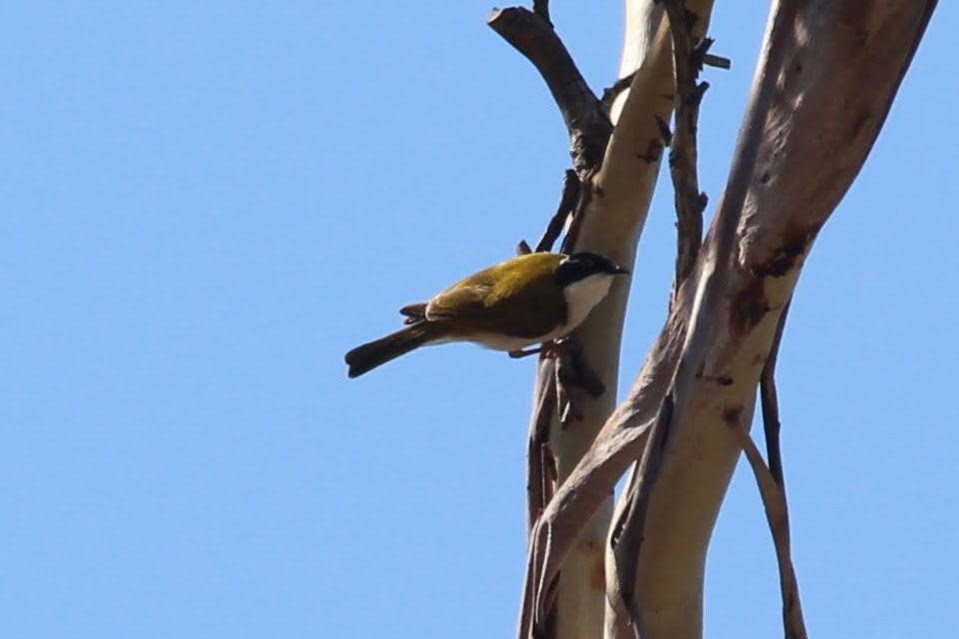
point(717, 61)
point(772, 487)
point(588, 125)
point(567, 206)
point(777, 516)
point(610, 94)
point(770, 405)
point(689, 201)
point(539, 488)
point(579, 213)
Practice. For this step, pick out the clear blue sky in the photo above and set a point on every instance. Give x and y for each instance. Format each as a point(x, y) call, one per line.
point(207, 203)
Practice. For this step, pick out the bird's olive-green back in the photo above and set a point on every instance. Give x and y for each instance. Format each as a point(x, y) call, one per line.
point(518, 297)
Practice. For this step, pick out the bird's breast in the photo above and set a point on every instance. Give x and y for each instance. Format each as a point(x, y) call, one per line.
point(582, 297)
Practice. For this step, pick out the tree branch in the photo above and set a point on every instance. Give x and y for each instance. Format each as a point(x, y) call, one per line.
point(532, 35)
point(567, 206)
point(770, 405)
point(772, 488)
point(539, 484)
point(777, 516)
point(689, 201)
point(845, 61)
point(717, 61)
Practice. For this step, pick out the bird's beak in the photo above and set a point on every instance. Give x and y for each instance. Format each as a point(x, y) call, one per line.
point(619, 270)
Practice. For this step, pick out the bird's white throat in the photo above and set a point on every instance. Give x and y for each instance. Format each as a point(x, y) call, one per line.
point(582, 296)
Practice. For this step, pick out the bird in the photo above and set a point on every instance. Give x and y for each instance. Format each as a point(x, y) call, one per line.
point(526, 300)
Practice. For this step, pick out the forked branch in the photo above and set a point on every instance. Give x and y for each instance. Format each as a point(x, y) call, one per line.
point(831, 67)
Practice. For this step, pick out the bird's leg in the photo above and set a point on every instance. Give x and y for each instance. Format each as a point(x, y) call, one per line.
point(551, 349)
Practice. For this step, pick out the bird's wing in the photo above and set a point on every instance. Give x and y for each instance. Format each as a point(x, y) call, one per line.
point(458, 302)
point(500, 299)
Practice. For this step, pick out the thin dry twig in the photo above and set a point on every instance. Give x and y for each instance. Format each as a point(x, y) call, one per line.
point(612, 92)
point(774, 495)
point(689, 201)
point(777, 516)
point(579, 213)
point(717, 61)
point(539, 487)
point(567, 206)
point(770, 405)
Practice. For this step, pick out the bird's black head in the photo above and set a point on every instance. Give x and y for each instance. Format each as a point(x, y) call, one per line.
point(579, 266)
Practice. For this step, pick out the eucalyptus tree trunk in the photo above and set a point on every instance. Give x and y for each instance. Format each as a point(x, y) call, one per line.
point(825, 80)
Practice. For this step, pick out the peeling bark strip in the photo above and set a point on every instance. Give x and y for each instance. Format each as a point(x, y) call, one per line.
point(772, 487)
point(834, 67)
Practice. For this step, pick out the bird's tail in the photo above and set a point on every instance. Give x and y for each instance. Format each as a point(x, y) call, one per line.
point(365, 358)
